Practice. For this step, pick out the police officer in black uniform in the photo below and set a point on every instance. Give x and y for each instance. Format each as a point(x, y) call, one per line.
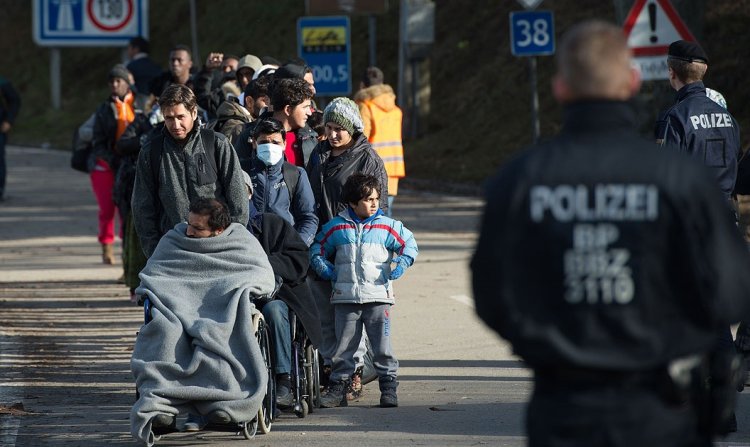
point(695, 124)
point(610, 266)
point(698, 126)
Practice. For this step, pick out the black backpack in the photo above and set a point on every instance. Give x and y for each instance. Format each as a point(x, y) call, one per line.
point(82, 149)
point(291, 177)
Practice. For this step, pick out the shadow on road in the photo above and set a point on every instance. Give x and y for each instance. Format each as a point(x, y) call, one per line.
point(65, 355)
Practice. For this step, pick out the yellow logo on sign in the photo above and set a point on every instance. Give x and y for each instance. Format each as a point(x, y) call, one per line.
point(324, 35)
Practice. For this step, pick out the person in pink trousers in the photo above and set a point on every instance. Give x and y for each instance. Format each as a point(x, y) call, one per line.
point(112, 117)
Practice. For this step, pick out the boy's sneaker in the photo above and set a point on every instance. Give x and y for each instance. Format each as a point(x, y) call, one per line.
point(388, 397)
point(334, 395)
point(354, 390)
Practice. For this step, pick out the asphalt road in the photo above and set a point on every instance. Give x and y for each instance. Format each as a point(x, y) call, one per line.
point(67, 330)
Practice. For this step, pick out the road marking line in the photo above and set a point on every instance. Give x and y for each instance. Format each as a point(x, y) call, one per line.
point(463, 299)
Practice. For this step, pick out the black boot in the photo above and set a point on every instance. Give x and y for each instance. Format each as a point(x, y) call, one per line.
point(388, 387)
point(334, 395)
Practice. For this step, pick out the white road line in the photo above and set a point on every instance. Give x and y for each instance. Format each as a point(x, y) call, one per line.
point(463, 299)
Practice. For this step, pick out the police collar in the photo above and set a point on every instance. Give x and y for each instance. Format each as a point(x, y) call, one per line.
point(591, 115)
point(691, 89)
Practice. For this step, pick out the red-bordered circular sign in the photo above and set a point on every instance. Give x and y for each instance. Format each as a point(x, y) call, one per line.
point(110, 15)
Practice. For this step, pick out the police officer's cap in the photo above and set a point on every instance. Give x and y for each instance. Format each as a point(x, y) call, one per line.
point(687, 51)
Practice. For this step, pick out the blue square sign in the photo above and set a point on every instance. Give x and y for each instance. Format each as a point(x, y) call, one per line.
point(325, 44)
point(532, 33)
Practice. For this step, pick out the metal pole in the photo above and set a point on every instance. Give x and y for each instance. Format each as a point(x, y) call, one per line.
point(534, 101)
point(194, 32)
point(373, 33)
point(414, 98)
point(401, 56)
point(54, 76)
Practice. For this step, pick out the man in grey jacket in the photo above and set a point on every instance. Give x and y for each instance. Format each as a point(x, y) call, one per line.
point(182, 164)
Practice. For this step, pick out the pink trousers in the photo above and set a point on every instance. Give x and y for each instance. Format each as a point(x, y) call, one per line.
point(102, 182)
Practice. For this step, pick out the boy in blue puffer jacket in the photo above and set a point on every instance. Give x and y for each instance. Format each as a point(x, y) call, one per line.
point(363, 244)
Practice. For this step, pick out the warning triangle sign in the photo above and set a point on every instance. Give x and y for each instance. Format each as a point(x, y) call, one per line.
point(652, 25)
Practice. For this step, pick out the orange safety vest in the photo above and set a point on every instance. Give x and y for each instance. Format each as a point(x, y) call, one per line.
point(385, 138)
point(124, 113)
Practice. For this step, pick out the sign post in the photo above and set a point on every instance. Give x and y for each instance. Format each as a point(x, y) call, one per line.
point(325, 44)
point(651, 26)
point(532, 33)
point(85, 23)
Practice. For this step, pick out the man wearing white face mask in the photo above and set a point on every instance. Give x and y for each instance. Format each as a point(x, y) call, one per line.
point(280, 187)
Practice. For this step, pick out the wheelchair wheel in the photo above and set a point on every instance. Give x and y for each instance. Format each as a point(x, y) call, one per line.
point(312, 371)
point(250, 428)
point(304, 409)
point(152, 439)
point(265, 414)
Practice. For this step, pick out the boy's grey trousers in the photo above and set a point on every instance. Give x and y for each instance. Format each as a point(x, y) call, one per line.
point(375, 318)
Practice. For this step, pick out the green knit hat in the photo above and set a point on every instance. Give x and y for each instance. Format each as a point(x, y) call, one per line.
point(344, 112)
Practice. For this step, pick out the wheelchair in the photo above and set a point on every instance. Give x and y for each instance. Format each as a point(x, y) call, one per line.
point(305, 373)
point(264, 419)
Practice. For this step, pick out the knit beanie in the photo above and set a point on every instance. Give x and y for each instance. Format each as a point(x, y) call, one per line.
point(345, 113)
point(119, 71)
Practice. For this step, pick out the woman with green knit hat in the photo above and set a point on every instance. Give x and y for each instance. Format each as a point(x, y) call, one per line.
point(346, 151)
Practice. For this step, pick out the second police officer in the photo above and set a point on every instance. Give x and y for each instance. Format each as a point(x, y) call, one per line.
point(696, 125)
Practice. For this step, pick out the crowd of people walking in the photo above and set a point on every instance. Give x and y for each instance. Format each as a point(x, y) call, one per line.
point(246, 132)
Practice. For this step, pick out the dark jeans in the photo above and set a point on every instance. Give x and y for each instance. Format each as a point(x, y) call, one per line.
point(3, 140)
point(561, 415)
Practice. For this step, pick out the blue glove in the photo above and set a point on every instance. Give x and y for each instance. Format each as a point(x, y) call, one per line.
point(402, 263)
point(324, 269)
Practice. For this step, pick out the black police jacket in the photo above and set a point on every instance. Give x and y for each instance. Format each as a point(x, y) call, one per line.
point(698, 126)
point(600, 250)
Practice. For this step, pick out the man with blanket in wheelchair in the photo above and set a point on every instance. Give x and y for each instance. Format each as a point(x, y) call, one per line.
point(198, 353)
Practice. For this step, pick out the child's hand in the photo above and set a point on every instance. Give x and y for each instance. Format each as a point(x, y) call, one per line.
point(324, 269)
point(402, 263)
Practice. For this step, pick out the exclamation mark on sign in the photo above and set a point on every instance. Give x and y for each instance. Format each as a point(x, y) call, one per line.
point(652, 21)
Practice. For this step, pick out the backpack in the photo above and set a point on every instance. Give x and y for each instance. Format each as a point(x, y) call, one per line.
point(83, 145)
point(215, 125)
point(291, 177)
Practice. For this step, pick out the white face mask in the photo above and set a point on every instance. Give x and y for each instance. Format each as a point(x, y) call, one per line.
point(270, 153)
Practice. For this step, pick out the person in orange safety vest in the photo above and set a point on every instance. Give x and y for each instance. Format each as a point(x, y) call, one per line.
point(382, 120)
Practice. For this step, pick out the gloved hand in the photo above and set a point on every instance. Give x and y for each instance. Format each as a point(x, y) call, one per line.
point(402, 263)
point(324, 269)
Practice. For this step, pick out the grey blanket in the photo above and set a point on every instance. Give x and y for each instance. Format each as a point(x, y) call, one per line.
point(199, 352)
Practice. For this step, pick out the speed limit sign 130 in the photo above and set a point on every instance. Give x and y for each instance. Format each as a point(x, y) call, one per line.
point(532, 33)
point(77, 23)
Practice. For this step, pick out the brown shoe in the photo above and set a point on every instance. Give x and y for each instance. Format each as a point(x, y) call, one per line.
point(108, 254)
